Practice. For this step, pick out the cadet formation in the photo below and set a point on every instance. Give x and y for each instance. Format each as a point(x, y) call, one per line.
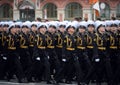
point(60, 52)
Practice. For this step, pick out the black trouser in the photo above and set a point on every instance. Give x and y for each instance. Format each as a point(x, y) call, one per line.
point(3, 63)
point(59, 54)
point(100, 68)
point(72, 64)
point(54, 62)
point(14, 65)
point(43, 65)
point(90, 53)
point(31, 50)
point(116, 76)
point(84, 61)
point(26, 61)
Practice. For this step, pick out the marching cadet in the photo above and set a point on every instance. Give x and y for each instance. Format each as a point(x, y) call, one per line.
point(4, 34)
point(90, 38)
point(101, 59)
point(59, 39)
point(114, 51)
point(53, 58)
point(32, 34)
point(69, 54)
point(1, 51)
point(81, 43)
point(13, 60)
point(40, 54)
point(90, 41)
point(24, 49)
point(113, 44)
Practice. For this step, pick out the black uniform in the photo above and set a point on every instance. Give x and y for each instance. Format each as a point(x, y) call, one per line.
point(41, 58)
point(13, 58)
point(115, 57)
point(53, 58)
point(59, 44)
point(24, 54)
point(3, 59)
point(71, 59)
point(101, 59)
point(31, 42)
point(84, 60)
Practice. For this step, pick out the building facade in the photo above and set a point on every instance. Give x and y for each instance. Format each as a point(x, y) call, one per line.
point(56, 9)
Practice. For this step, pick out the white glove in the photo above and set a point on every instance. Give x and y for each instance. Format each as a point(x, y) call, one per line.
point(38, 58)
point(64, 60)
point(48, 57)
point(4, 58)
point(97, 60)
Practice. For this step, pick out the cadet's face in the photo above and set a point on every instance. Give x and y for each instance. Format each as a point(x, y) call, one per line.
point(113, 29)
point(62, 29)
point(25, 30)
point(107, 28)
point(101, 29)
point(52, 30)
point(1, 29)
point(81, 30)
point(13, 30)
point(5, 28)
point(18, 29)
point(33, 28)
point(119, 28)
point(71, 30)
point(42, 30)
point(91, 28)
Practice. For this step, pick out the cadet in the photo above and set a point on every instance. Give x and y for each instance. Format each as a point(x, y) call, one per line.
point(53, 58)
point(101, 59)
point(40, 54)
point(114, 44)
point(59, 39)
point(5, 26)
point(69, 55)
point(81, 43)
point(91, 45)
point(32, 34)
point(2, 61)
point(24, 50)
point(13, 59)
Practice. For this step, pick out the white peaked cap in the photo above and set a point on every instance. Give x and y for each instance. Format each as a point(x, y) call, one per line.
point(70, 24)
point(99, 23)
point(90, 22)
point(42, 24)
point(53, 23)
point(83, 23)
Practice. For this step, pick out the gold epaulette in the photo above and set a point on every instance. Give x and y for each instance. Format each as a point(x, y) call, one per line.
point(80, 47)
point(59, 46)
point(41, 47)
point(90, 47)
point(31, 45)
point(113, 47)
point(102, 48)
point(50, 46)
point(12, 48)
point(23, 46)
point(71, 49)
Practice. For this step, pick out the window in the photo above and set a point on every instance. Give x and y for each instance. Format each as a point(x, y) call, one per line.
point(27, 11)
point(6, 11)
point(27, 14)
point(51, 11)
point(105, 13)
point(73, 10)
point(118, 11)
